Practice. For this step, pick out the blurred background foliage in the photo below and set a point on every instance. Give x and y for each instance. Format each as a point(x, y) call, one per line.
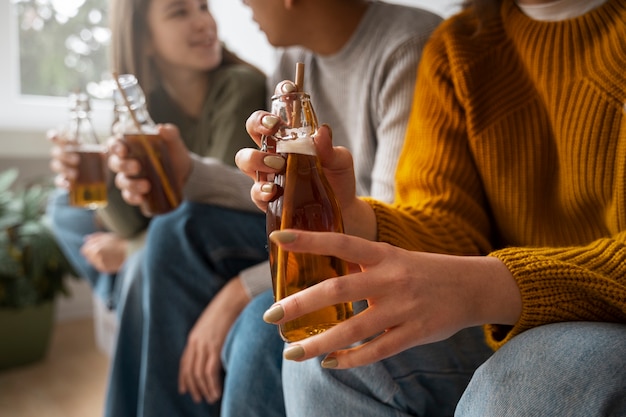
point(63, 46)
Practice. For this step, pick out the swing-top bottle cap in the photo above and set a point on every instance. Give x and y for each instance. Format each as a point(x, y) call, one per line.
point(133, 92)
point(132, 99)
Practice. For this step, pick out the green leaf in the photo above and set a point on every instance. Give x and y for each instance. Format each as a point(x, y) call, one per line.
point(32, 267)
point(7, 178)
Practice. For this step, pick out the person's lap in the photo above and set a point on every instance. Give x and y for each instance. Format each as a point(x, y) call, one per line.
point(189, 255)
point(562, 369)
point(423, 381)
point(573, 369)
point(252, 357)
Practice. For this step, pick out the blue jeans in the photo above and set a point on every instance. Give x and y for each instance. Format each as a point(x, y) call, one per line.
point(563, 369)
point(189, 255)
point(70, 225)
point(123, 384)
point(423, 381)
point(252, 358)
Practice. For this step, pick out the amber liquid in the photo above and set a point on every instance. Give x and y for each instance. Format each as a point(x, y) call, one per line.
point(157, 200)
point(306, 202)
point(89, 190)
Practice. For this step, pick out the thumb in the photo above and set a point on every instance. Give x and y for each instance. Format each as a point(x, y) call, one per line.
point(333, 158)
point(169, 132)
point(324, 142)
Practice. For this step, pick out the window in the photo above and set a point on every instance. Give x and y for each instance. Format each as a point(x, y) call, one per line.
point(63, 45)
point(53, 47)
point(56, 46)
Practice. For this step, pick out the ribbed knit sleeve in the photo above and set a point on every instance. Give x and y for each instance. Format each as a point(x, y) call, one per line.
point(586, 283)
point(516, 148)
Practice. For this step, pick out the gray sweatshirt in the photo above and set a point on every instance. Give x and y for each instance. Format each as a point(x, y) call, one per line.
point(364, 92)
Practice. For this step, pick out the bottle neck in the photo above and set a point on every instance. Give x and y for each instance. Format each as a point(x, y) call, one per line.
point(126, 124)
point(81, 131)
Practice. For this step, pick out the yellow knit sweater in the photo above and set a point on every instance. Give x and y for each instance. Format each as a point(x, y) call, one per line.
point(516, 148)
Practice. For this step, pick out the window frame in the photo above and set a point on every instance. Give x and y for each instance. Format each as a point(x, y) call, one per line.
point(17, 110)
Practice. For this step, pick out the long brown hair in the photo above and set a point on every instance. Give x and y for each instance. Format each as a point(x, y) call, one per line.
point(129, 37)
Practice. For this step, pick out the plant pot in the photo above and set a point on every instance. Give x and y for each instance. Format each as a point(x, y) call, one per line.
point(25, 334)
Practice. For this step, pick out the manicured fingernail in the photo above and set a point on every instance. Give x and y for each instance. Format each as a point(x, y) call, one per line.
point(269, 121)
point(330, 363)
point(293, 352)
point(268, 187)
point(274, 161)
point(274, 313)
point(279, 236)
point(288, 88)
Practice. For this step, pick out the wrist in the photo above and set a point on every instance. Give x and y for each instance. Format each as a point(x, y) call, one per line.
point(359, 220)
point(234, 294)
point(499, 292)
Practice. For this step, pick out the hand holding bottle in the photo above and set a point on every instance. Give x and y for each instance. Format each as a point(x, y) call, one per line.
point(336, 162)
point(305, 201)
point(78, 157)
point(127, 168)
point(144, 143)
point(63, 163)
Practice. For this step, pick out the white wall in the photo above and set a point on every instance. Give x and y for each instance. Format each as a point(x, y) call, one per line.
point(23, 120)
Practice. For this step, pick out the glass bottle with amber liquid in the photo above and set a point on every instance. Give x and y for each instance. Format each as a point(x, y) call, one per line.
point(89, 188)
point(140, 134)
point(304, 201)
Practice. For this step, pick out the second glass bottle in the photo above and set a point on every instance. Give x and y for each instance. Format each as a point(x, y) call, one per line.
point(146, 145)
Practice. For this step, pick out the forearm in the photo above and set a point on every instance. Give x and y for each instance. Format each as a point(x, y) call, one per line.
point(211, 182)
point(256, 279)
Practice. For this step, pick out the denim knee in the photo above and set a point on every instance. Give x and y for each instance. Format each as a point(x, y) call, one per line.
point(252, 358)
point(573, 369)
point(224, 240)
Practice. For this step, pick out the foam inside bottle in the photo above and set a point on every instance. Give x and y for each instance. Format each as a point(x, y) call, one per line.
point(303, 145)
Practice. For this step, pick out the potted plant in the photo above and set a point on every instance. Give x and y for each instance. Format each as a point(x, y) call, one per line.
point(33, 271)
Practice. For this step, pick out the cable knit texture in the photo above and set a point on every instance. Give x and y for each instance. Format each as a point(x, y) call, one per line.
point(516, 148)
